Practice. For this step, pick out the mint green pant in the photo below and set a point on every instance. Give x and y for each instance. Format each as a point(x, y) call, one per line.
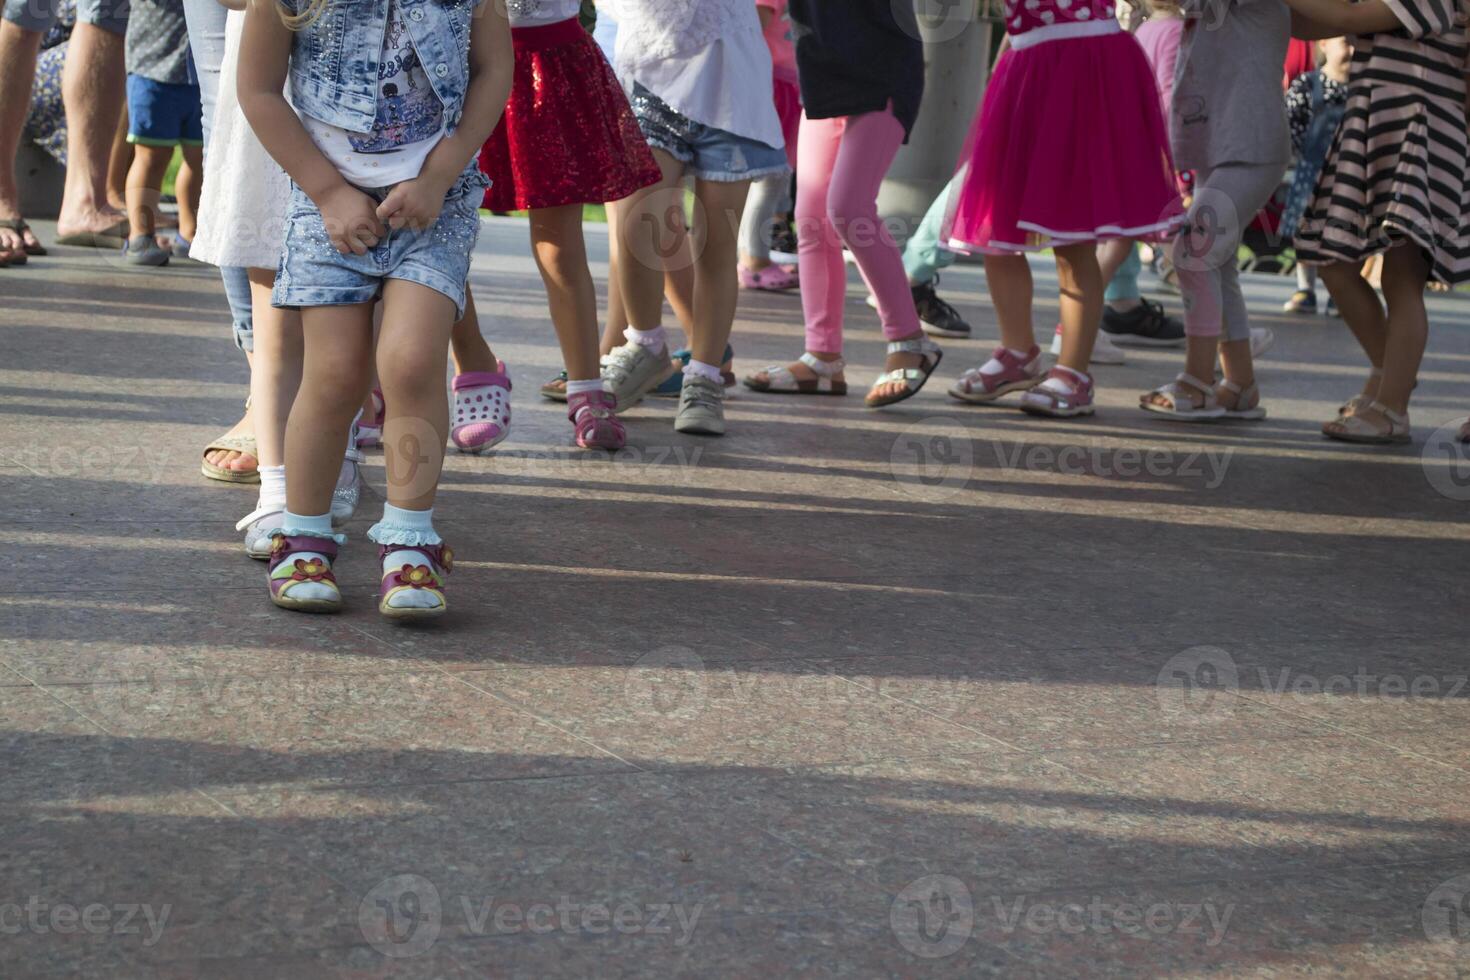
point(924, 254)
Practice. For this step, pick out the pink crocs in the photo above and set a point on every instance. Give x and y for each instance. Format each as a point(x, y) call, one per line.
point(481, 410)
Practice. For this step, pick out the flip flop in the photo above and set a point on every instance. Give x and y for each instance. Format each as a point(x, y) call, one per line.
point(237, 444)
point(20, 227)
point(115, 236)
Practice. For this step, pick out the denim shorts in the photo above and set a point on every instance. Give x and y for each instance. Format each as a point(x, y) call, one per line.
point(314, 273)
point(39, 15)
point(707, 152)
point(160, 114)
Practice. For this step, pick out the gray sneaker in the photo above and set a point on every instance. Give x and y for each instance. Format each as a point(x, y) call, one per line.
point(701, 407)
point(632, 371)
point(145, 250)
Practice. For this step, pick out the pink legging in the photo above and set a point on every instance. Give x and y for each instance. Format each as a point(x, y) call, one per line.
point(840, 165)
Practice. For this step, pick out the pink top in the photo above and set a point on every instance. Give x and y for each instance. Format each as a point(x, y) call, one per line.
point(1023, 16)
point(1160, 40)
point(778, 39)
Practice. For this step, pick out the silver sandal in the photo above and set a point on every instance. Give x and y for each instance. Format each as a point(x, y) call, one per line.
point(780, 381)
point(913, 378)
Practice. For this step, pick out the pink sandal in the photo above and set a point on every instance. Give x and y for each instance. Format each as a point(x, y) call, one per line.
point(999, 376)
point(370, 431)
point(593, 416)
point(481, 409)
point(772, 279)
point(1064, 394)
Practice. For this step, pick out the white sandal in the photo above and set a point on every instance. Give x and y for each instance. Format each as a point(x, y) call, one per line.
point(1243, 396)
point(1357, 429)
point(1181, 408)
point(913, 378)
point(780, 381)
point(259, 526)
point(1357, 402)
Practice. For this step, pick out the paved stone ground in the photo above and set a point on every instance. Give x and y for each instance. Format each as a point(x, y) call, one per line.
point(935, 690)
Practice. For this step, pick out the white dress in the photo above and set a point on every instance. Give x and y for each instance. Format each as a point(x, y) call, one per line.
point(242, 207)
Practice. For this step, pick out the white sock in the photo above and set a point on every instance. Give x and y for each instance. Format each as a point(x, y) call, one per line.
point(652, 339)
point(1020, 355)
point(320, 526)
point(699, 369)
point(582, 387)
point(272, 488)
point(418, 522)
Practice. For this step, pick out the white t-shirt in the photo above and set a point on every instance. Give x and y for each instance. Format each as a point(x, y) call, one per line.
point(535, 13)
point(409, 124)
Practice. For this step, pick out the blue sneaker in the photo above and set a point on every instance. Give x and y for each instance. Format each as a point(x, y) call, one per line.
point(674, 385)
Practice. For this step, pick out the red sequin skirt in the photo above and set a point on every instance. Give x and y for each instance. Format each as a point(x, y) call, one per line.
point(568, 135)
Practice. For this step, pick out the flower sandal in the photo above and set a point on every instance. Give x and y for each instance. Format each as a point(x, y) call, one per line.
point(999, 376)
point(913, 378)
point(593, 416)
point(1358, 428)
point(301, 576)
point(415, 577)
point(779, 380)
point(1180, 407)
point(481, 409)
point(1064, 394)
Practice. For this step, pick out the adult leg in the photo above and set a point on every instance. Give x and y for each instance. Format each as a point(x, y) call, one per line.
point(92, 87)
point(238, 293)
point(18, 49)
point(119, 163)
point(275, 369)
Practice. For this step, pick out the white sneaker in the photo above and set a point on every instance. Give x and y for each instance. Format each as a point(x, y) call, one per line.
point(1104, 351)
point(1262, 340)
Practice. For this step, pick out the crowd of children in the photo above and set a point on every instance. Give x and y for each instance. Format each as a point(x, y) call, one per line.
point(353, 142)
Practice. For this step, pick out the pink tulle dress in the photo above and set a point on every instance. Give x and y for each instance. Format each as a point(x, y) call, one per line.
point(1069, 145)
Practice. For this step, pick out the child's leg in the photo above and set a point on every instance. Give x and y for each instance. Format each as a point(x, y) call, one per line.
point(145, 187)
point(716, 254)
point(819, 249)
point(1009, 281)
point(187, 185)
point(1405, 274)
point(338, 351)
point(1082, 302)
point(645, 236)
point(412, 347)
point(468, 346)
point(1363, 312)
point(561, 255)
point(755, 225)
point(275, 371)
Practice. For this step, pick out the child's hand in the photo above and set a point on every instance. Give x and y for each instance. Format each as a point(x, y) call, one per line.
point(351, 220)
point(414, 203)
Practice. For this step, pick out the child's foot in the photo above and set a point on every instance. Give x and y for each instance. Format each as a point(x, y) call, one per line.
point(413, 580)
point(1240, 402)
point(481, 409)
point(1302, 301)
point(772, 279)
point(301, 576)
point(555, 389)
point(593, 419)
point(1146, 325)
point(633, 370)
point(1364, 398)
point(906, 370)
point(145, 250)
point(1005, 372)
point(808, 375)
point(1185, 399)
point(1064, 394)
point(1374, 424)
point(701, 407)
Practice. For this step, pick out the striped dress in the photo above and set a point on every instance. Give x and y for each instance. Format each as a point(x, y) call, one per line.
point(1397, 169)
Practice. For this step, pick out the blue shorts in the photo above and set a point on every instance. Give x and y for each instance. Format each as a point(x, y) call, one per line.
point(160, 114)
point(39, 15)
point(314, 273)
point(708, 153)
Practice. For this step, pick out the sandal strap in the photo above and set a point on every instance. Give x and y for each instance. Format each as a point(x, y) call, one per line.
point(441, 555)
point(826, 369)
point(1184, 377)
point(256, 515)
point(1396, 419)
point(899, 374)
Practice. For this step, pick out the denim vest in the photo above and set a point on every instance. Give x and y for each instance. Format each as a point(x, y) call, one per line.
point(334, 61)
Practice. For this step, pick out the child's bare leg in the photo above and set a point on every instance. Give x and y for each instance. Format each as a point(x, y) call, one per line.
point(1082, 303)
point(617, 317)
point(187, 185)
point(412, 346)
point(275, 371)
point(145, 187)
point(715, 278)
point(1405, 274)
point(1009, 279)
point(1362, 311)
point(467, 345)
point(338, 346)
point(561, 255)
